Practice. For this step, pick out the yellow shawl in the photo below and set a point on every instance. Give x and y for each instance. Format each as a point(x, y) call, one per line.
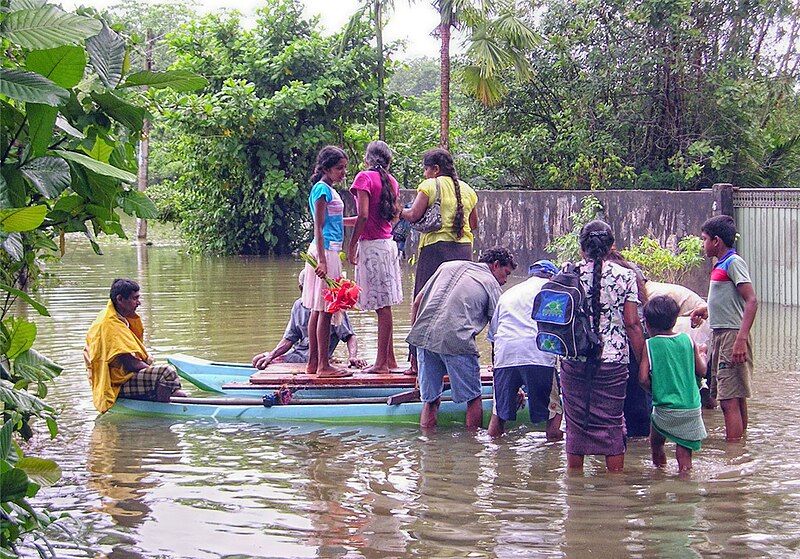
point(109, 337)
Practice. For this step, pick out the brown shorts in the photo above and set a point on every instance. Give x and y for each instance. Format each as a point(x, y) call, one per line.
point(729, 380)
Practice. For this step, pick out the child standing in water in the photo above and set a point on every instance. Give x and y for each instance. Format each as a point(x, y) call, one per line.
point(731, 310)
point(327, 209)
point(671, 368)
point(374, 252)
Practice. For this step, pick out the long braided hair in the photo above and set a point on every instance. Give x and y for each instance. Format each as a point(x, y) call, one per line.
point(327, 158)
point(378, 158)
point(444, 160)
point(596, 240)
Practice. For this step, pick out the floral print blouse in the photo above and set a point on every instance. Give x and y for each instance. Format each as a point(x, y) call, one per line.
point(618, 285)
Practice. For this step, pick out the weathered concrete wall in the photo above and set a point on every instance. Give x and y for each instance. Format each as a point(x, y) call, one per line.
point(525, 221)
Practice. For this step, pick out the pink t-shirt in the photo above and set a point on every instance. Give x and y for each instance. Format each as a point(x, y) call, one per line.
point(370, 182)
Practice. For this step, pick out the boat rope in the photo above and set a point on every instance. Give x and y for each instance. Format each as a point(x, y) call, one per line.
point(280, 397)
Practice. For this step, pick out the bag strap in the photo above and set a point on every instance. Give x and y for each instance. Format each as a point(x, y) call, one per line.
point(438, 192)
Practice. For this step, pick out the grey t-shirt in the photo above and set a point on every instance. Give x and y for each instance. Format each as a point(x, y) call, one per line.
point(725, 305)
point(457, 304)
point(297, 331)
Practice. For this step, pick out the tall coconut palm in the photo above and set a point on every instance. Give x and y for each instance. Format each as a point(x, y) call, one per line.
point(498, 39)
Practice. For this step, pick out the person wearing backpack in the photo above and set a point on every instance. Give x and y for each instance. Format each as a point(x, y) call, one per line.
point(593, 386)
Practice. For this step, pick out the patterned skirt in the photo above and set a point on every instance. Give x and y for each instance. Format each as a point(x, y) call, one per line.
point(378, 274)
point(593, 408)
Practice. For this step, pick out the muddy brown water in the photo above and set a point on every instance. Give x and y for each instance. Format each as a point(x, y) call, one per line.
point(142, 488)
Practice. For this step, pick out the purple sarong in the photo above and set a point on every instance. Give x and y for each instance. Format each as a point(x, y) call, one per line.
point(603, 433)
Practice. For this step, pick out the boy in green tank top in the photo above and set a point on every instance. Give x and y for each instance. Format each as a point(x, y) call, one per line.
point(671, 368)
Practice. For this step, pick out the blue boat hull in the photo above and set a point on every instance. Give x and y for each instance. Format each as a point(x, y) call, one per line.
point(339, 414)
point(212, 377)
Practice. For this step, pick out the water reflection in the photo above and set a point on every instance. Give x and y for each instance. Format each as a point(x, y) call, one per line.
point(198, 489)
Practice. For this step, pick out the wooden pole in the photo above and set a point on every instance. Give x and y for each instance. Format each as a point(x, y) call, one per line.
point(144, 144)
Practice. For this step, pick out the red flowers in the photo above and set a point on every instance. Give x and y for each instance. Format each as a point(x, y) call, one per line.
point(342, 295)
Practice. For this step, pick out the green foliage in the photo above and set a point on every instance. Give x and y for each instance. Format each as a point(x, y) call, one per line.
point(567, 247)
point(67, 143)
point(240, 153)
point(653, 94)
point(662, 264)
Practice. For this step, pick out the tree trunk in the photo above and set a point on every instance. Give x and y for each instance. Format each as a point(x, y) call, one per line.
point(444, 119)
point(381, 70)
point(144, 145)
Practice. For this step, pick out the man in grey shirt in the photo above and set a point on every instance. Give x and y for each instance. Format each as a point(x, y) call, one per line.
point(454, 306)
point(293, 347)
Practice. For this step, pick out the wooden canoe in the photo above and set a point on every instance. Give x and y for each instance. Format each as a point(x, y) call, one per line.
point(239, 379)
point(355, 411)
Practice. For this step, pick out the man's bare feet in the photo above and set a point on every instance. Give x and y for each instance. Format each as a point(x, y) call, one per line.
point(330, 372)
point(375, 370)
point(311, 370)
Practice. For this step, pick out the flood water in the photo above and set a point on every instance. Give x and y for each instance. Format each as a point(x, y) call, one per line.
point(146, 488)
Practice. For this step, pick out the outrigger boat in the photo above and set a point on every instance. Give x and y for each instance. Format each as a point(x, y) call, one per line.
point(337, 411)
point(285, 393)
point(243, 380)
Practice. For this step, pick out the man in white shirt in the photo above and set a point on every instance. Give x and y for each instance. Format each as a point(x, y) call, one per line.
point(517, 360)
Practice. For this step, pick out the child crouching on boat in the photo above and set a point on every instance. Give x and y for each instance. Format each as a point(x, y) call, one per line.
point(671, 368)
point(327, 210)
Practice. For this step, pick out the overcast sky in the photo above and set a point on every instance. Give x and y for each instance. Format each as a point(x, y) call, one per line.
point(410, 23)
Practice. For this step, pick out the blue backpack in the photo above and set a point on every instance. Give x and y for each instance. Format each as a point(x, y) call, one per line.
point(561, 312)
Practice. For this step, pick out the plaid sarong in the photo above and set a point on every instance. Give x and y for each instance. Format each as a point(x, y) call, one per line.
point(156, 383)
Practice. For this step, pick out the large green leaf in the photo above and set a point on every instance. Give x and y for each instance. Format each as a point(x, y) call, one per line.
point(13, 484)
point(123, 112)
point(97, 166)
point(5, 439)
point(40, 308)
point(23, 401)
point(50, 175)
point(31, 88)
point(178, 80)
point(47, 27)
point(41, 120)
point(13, 192)
point(22, 219)
point(22, 334)
point(137, 203)
point(101, 150)
point(107, 55)
point(39, 470)
point(63, 65)
point(25, 4)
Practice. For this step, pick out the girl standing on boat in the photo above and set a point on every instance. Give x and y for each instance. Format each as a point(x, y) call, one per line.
point(327, 209)
point(373, 250)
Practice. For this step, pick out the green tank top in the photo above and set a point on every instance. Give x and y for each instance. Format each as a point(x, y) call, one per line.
point(673, 380)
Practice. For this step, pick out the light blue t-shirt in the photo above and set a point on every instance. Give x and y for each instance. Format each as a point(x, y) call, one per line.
point(333, 228)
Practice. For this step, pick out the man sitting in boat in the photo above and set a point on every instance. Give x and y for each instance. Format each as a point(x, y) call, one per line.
point(293, 348)
point(118, 363)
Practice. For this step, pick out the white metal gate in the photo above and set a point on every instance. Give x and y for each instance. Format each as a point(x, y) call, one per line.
point(768, 221)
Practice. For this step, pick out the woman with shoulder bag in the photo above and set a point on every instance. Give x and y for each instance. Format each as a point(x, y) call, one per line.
point(455, 202)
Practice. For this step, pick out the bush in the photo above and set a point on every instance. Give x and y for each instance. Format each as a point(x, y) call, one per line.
point(662, 264)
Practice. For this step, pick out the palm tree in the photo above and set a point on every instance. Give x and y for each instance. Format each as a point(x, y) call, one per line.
point(499, 38)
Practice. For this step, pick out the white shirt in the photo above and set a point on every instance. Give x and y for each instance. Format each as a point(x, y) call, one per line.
point(513, 331)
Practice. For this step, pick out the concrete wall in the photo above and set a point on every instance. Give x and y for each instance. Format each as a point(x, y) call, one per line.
point(525, 221)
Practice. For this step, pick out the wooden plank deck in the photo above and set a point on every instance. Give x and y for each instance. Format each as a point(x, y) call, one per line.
point(293, 374)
